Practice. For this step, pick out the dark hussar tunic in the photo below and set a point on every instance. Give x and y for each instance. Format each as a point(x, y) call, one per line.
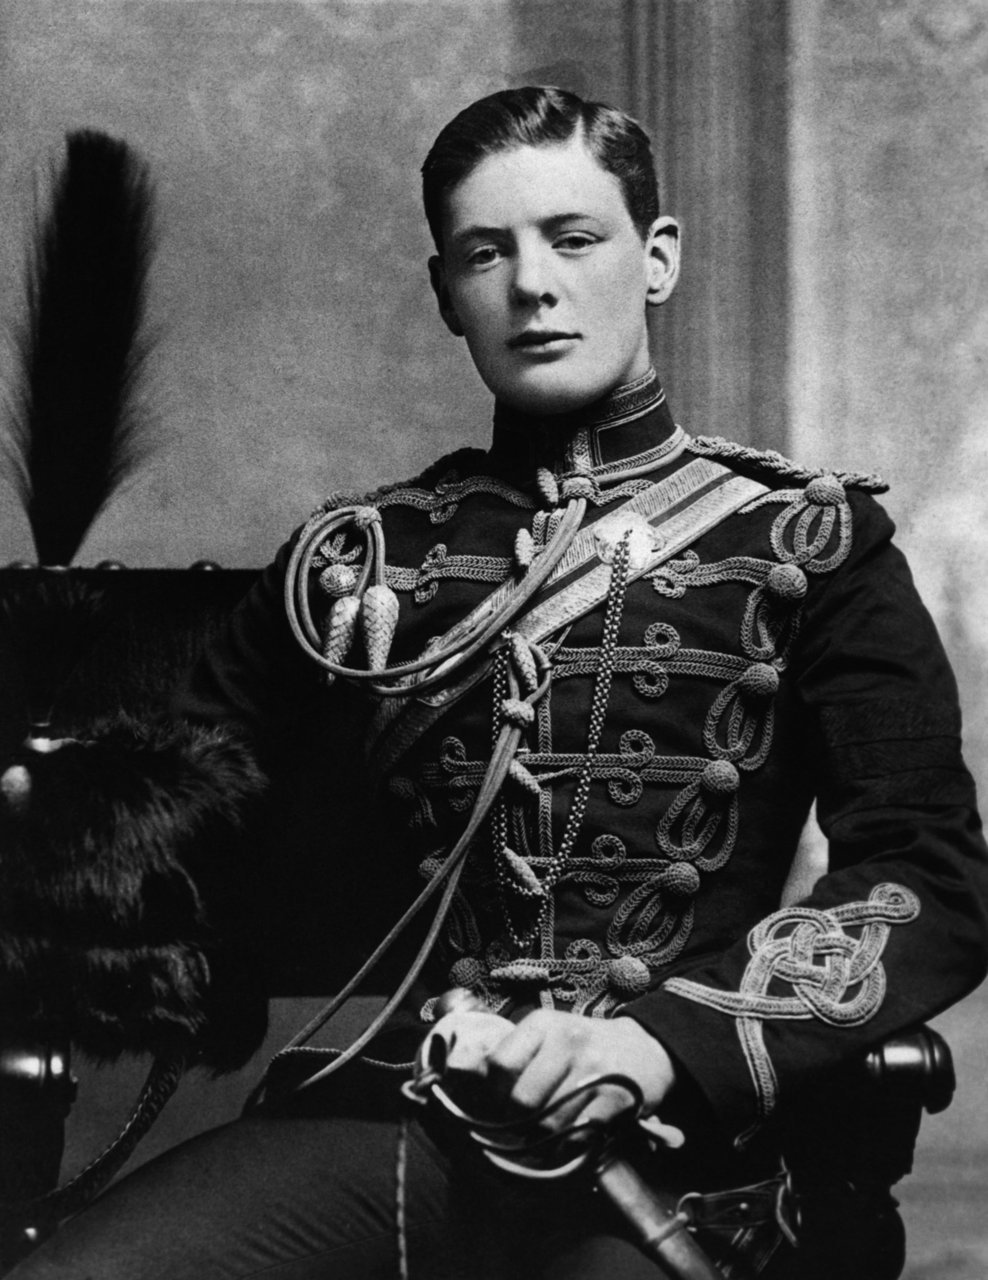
point(755, 659)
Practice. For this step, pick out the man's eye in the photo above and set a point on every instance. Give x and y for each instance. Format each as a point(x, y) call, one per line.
point(575, 241)
point(483, 256)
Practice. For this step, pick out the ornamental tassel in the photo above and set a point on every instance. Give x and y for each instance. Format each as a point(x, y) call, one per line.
point(379, 616)
point(526, 881)
point(339, 631)
point(523, 779)
point(548, 487)
point(524, 549)
point(521, 652)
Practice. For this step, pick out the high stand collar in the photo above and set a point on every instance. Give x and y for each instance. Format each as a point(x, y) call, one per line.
point(631, 428)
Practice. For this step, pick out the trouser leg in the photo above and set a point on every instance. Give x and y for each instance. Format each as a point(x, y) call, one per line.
point(292, 1198)
point(316, 1198)
point(308, 1198)
point(600, 1256)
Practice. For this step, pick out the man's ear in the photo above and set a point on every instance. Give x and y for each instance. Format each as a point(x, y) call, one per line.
point(437, 275)
point(662, 250)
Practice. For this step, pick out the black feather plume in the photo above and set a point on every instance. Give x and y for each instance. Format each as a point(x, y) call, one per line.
point(76, 425)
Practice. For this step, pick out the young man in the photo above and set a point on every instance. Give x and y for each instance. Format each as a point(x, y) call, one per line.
point(604, 670)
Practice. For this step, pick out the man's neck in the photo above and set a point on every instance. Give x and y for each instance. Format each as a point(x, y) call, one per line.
point(627, 426)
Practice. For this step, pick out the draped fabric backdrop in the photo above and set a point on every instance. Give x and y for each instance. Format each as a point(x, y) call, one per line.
point(827, 159)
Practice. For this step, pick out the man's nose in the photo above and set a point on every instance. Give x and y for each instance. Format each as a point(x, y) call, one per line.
point(534, 279)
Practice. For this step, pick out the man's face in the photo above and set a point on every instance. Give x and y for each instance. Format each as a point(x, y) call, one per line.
point(545, 275)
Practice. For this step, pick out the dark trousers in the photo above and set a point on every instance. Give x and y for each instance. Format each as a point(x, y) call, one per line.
point(308, 1198)
point(315, 1197)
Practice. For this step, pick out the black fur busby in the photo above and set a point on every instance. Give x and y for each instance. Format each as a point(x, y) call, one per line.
point(126, 880)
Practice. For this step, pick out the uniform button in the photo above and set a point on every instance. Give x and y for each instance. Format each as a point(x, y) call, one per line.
point(760, 681)
point(720, 778)
point(338, 579)
point(681, 879)
point(825, 491)
point(786, 582)
point(628, 974)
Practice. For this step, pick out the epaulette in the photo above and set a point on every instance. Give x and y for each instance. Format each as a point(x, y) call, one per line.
point(449, 468)
point(778, 464)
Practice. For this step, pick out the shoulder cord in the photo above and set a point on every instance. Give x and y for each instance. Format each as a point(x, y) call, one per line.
point(518, 714)
point(441, 663)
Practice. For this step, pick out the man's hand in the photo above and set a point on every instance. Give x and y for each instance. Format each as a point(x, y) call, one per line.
point(516, 1070)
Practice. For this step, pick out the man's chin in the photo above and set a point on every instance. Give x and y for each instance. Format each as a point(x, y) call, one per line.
point(550, 393)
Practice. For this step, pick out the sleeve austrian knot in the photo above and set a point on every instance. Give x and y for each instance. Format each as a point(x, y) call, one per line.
point(823, 971)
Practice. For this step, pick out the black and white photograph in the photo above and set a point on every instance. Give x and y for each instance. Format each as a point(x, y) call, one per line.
point(493, 639)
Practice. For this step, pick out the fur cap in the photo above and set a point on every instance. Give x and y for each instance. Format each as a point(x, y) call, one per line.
point(125, 886)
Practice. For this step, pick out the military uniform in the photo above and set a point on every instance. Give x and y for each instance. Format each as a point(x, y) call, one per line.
point(779, 655)
point(762, 653)
point(729, 637)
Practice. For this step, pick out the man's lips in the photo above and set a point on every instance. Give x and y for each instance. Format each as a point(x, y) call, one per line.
point(539, 338)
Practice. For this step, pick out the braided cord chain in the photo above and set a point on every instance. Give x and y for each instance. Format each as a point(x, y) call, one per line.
point(578, 807)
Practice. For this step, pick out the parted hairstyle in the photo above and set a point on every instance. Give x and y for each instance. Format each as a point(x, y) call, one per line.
point(538, 116)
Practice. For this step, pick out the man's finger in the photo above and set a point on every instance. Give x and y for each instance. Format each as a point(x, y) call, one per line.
point(470, 1039)
point(527, 1065)
point(579, 1101)
point(605, 1104)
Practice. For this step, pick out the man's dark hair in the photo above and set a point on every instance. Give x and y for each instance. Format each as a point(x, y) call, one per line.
point(540, 116)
